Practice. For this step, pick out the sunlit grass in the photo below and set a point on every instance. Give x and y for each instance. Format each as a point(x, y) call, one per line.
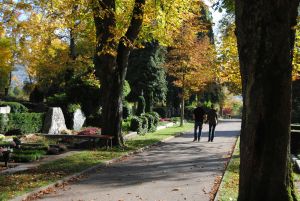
point(22, 182)
point(229, 187)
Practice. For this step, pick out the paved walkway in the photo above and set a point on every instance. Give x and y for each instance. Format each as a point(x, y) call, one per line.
point(176, 170)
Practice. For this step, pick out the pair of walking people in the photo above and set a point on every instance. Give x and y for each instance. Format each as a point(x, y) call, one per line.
point(200, 116)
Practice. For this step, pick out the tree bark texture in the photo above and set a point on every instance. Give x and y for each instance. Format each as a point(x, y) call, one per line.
point(265, 38)
point(111, 67)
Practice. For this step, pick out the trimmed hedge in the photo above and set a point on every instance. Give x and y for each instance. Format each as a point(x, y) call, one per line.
point(156, 118)
point(27, 155)
point(136, 124)
point(26, 122)
point(147, 122)
point(14, 106)
point(126, 126)
point(151, 124)
point(144, 124)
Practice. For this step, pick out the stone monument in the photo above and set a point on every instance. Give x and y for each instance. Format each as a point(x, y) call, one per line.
point(78, 120)
point(54, 121)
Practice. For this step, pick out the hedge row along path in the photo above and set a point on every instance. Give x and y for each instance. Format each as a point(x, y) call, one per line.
point(175, 170)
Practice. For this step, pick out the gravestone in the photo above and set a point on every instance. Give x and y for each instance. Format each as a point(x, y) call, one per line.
point(78, 120)
point(54, 121)
point(5, 110)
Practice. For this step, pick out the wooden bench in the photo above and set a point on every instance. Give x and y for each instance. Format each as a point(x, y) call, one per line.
point(107, 138)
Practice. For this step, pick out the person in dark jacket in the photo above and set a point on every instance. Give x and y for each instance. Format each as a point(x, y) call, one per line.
point(199, 115)
point(212, 118)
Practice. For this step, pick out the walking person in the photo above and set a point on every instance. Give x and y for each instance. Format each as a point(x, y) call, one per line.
point(199, 114)
point(212, 118)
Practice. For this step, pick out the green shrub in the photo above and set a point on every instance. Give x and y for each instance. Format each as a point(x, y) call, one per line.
point(156, 118)
point(34, 147)
point(14, 106)
point(141, 105)
point(151, 123)
point(27, 155)
point(144, 124)
point(127, 111)
point(136, 124)
point(3, 122)
point(5, 144)
point(126, 88)
point(73, 107)
point(57, 100)
point(26, 122)
point(84, 89)
point(126, 126)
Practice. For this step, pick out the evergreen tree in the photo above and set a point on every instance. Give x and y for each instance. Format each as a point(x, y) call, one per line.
point(145, 73)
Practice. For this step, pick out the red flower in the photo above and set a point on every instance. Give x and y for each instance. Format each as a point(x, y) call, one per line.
point(90, 131)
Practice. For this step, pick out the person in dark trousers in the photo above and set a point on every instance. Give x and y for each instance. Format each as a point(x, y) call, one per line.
point(199, 115)
point(212, 118)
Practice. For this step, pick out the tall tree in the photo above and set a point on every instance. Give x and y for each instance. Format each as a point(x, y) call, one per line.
point(190, 60)
point(146, 74)
point(229, 68)
point(5, 59)
point(265, 36)
point(118, 25)
point(111, 60)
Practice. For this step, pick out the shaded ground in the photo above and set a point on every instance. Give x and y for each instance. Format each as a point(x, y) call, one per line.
point(176, 170)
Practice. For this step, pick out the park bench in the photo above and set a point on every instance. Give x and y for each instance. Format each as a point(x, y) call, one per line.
point(91, 138)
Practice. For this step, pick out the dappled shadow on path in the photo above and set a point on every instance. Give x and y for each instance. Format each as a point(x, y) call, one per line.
point(172, 161)
point(228, 134)
point(175, 170)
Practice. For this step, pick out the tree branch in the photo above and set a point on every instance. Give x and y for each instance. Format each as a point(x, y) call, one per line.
point(136, 20)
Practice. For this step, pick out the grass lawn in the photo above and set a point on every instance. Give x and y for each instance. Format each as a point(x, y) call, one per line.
point(229, 187)
point(22, 182)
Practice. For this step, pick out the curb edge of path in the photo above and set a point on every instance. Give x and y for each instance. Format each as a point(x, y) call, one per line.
point(216, 198)
point(38, 192)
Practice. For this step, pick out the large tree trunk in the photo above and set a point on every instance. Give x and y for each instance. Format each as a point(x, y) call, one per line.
point(111, 61)
point(265, 40)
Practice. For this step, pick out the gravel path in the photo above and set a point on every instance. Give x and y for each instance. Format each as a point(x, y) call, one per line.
point(175, 170)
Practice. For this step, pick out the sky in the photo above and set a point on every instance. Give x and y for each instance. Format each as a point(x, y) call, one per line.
point(216, 15)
